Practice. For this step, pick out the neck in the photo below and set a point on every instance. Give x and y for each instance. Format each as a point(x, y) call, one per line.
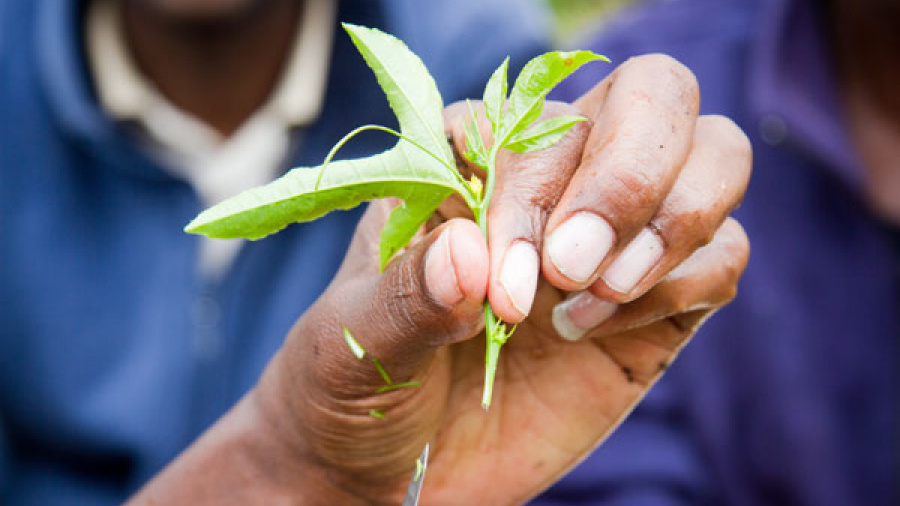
point(220, 71)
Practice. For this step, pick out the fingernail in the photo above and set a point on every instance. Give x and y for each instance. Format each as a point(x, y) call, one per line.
point(634, 262)
point(440, 273)
point(518, 275)
point(579, 244)
point(573, 317)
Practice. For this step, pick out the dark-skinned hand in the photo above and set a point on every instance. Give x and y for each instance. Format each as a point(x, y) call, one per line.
point(609, 249)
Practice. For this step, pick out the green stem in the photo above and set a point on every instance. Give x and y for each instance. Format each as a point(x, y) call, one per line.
point(494, 331)
point(492, 355)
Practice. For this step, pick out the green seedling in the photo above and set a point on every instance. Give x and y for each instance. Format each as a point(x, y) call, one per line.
point(420, 169)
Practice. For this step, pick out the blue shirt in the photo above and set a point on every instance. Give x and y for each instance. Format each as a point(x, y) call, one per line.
point(114, 355)
point(788, 395)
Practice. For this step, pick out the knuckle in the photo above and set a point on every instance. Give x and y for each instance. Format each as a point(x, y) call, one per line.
point(554, 108)
point(740, 243)
point(634, 190)
point(696, 220)
point(675, 303)
point(736, 251)
point(671, 74)
point(689, 229)
point(730, 293)
point(727, 135)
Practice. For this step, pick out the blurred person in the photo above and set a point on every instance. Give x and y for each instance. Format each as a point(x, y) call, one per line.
point(789, 395)
point(124, 339)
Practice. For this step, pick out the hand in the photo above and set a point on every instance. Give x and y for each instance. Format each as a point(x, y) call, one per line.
point(609, 248)
point(629, 213)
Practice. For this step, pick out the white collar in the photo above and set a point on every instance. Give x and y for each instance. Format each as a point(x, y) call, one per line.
point(126, 94)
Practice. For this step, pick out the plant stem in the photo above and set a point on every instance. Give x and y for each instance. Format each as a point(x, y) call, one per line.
point(494, 331)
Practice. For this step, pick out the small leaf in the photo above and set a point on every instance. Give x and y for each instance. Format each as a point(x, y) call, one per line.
point(538, 77)
point(474, 146)
point(383, 373)
point(495, 95)
point(374, 413)
point(476, 152)
point(358, 351)
point(398, 386)
point(542, 135)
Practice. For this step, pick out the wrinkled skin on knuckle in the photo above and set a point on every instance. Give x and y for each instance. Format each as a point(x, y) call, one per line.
point(633, 189)
point(331, 392)
point(671, 76)
point(692, 225)
point(537, 180)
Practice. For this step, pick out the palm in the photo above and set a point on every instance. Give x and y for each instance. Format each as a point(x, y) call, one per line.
point(553, 403)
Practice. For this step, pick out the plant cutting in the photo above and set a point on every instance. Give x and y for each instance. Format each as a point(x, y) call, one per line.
point(420, 169)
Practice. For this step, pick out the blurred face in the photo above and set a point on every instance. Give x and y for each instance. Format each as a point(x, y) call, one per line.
point(867, 40)
point(202, 10)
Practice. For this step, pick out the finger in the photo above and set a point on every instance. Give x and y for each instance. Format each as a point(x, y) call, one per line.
point(708, 188)
point(527, 188)
point(429, 297)
point(644, 116)
point(705, 281)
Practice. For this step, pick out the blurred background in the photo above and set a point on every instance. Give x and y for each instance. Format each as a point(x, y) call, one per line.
point(575, 17)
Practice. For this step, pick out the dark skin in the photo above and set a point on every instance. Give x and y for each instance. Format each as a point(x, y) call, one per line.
point(865, 40)
point(645, 161)
point(217, 61)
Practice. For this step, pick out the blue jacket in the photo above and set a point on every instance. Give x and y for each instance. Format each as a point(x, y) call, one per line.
point(114, 355)
point(788, 396)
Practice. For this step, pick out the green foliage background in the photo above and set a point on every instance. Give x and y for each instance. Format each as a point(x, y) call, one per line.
point(575, 17)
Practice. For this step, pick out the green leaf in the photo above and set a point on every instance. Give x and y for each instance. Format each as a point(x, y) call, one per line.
point(405, 220)
point(398, 172)
point(422, 179)
point(358, 351)
point(540, 75)
point(409, 88)
point(495, 95)
point(382, 372)
point(542, 135)
point(398, 386)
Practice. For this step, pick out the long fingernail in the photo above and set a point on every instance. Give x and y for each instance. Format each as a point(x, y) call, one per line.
point(634, 262)
point(573, 317)
point(579, 244)
point(518, 275)
point(440, 273)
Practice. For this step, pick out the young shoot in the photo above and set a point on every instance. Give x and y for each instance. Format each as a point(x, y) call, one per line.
point(420, 169)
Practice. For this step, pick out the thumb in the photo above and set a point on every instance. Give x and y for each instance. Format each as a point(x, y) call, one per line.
point(429, 297)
